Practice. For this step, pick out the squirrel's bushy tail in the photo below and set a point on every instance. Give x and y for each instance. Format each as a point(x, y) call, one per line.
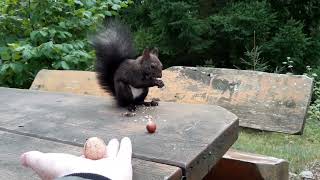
point(113, 45)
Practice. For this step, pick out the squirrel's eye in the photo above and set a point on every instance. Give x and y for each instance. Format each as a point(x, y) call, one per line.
point(153, 66)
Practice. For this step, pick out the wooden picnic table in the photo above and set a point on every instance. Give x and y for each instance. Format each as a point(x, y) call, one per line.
point(189, 140)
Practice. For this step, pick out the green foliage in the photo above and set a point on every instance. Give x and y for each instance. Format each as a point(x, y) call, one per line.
point(189, 32)
point(314, 109)
point(306, 11)
point(235, 26)
point(254, 61)
point(245, 34)
point(315, 106)
point(173, 26)
point(38, 34)
point(289, 41)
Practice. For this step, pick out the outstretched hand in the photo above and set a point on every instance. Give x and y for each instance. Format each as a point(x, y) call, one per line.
point(116, 164)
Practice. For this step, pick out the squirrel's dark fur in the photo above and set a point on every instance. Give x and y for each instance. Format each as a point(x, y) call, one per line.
point(125, 78)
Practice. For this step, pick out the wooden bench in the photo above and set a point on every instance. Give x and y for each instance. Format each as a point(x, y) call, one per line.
point(186, 87)
point(265, 101)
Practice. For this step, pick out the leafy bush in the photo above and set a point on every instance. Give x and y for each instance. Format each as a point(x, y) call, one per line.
point(49, 34)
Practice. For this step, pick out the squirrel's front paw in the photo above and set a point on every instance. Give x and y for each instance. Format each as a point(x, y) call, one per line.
point(154, 103)
point(132, 108)
point(159, 83)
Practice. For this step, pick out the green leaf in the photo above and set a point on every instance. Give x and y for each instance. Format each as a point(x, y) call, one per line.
point(78, 2)
point(108, 13)
point(5, 55)
point(114, 13)
point(27, 54)
point(123, 5)
point(64, 34)
point(17, 68)
point(64, 65)
point(19, 48)
point(62, 24)
point(55, 65)
point(44, 33)
point(52, 32)
point(90, 3)
point(4, 67)
point(48, 45)
point(13, 45)
point(46, 49)
point(68, 34)
point(115, 7)
point(33, 35)
point(16, 56)
point(87, 14)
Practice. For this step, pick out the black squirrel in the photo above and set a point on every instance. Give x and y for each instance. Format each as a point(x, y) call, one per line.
point(127, 79)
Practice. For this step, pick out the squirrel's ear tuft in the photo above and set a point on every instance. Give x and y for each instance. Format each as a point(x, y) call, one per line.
point(146, 54)
point(155, 51)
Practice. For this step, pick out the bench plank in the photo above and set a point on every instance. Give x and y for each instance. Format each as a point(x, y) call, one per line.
point(68, 81)
point(13, 145)
point(248, 166)
point(265, 101)
point(193, 137)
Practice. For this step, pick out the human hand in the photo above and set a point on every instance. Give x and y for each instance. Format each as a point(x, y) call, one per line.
point(116, 165)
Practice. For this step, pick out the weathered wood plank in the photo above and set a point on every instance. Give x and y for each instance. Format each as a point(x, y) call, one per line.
point(265, 101)
point(13, 145)
point(146, 170)
point(247, 166)
point(67, 81)
point(193, 137)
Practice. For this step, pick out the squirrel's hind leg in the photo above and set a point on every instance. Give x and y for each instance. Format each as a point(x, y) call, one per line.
point(124, 96)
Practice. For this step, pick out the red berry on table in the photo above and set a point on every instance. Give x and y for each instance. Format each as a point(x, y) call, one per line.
point(151, 127)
